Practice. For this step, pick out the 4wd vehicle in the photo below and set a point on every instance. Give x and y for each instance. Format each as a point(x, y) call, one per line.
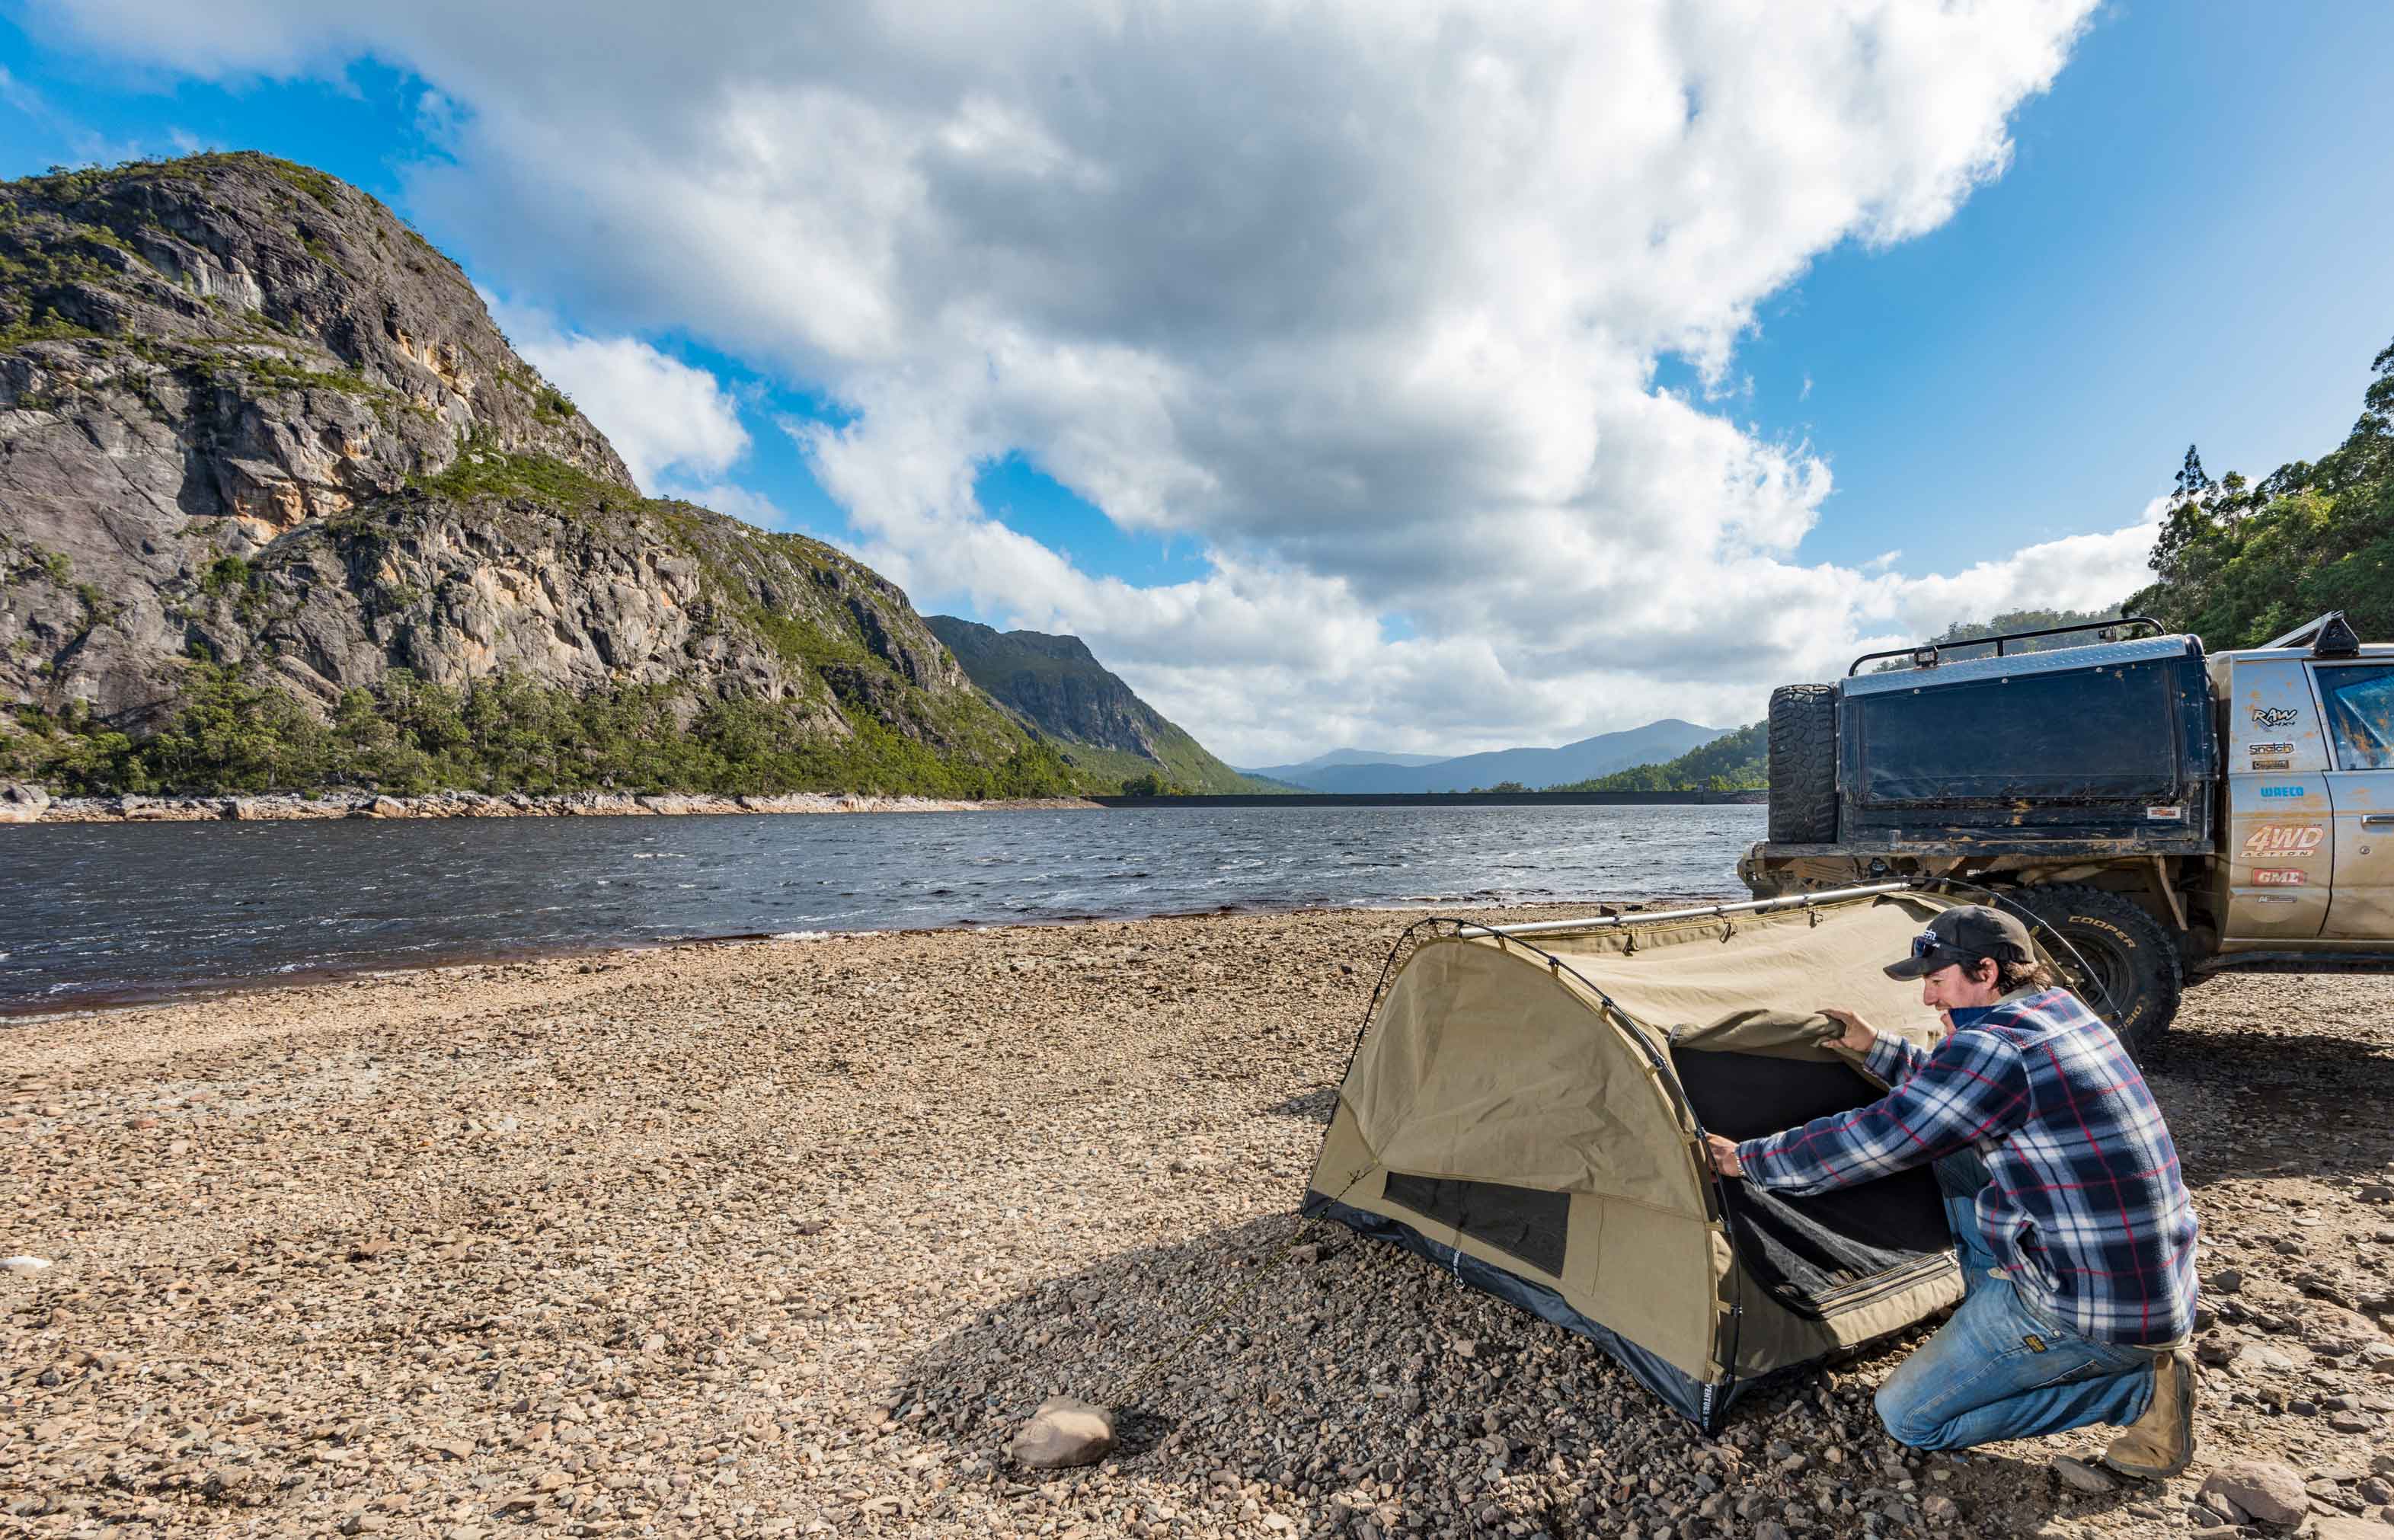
point(2165, 814)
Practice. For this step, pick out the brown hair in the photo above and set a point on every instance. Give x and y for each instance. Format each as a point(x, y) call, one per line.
point(2011, 977)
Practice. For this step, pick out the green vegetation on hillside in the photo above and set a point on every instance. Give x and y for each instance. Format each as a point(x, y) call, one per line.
point(1733, 762)
point(236, 732)
point(2239, 563)
point(1056, 688)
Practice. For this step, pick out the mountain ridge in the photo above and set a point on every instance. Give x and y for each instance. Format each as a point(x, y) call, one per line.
point(281, 502)
point(1055, 684)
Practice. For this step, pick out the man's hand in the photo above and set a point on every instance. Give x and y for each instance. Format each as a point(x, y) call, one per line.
point(1724, 1153)
point(1858, 1034)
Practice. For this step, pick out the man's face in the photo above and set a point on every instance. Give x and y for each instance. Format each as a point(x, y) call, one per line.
point(1953, 988)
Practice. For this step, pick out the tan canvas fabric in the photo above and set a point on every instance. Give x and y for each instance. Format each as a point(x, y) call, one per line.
point(1753, 983)
point(1484, 1065)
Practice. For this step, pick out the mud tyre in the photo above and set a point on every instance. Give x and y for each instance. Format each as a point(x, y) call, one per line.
point(1804, 764)
point(2120, 960)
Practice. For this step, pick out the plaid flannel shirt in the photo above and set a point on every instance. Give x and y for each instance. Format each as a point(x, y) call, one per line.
point(2086, 1211)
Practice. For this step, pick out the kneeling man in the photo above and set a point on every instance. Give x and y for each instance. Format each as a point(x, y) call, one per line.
point(2075, 1231)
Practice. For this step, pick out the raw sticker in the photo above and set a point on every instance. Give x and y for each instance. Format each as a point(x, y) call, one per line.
point(2284, 839)
point(2273, 716)
point(2280, 876)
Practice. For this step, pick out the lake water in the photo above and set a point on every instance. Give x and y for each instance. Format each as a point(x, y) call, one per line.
point(103, 911)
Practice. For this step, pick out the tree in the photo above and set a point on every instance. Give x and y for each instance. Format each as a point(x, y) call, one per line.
point(2191, 481)
point(2239, 562)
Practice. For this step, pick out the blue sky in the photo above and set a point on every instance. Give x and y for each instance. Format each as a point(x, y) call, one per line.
point(2189, 243)
point(2192, 244)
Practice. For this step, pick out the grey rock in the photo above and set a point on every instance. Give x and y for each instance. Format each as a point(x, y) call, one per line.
point(1065, 1431)
point(21, 803)
point(2262, 1490)
point(2080, 1477)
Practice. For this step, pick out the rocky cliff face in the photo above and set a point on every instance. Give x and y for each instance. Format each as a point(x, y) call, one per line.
point(1056, 686)
point(247, 415)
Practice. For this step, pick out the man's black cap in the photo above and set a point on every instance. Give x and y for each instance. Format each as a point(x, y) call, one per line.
point(1965, 934)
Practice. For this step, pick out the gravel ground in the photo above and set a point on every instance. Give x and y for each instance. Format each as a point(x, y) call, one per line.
point(789, 1238)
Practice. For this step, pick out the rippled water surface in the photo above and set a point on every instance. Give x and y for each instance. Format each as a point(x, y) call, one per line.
point(97, 911)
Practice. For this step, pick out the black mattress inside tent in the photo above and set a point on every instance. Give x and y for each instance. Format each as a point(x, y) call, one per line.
point(1812, 1253)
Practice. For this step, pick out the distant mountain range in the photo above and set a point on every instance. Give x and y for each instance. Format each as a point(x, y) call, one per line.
point(1345, 757)
point(1056, 685)
point(1352, 771)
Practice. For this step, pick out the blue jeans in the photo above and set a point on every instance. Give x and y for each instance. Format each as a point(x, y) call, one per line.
point(2002, 1368)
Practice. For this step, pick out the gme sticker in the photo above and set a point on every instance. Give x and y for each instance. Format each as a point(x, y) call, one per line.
point(2283, 839)
point(2286, 791)
point(2281, 876)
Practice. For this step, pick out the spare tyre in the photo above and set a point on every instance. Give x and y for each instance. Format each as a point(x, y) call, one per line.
point(1804, 764)
point(2118, 959)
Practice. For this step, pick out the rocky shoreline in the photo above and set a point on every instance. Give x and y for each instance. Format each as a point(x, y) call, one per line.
point(23, 804)
point(790, 1237)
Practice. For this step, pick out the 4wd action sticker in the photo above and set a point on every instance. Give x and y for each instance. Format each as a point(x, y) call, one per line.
point(2284, 839)
point(2281, 876)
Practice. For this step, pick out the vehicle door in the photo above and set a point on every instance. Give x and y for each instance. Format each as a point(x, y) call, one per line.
point(2357, 710)
point(2279, 847)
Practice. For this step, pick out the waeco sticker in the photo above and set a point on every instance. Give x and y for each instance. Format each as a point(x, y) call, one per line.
point(2281, 876)
point(2286, 791)
point(2273, 716)
point(2268, 748)
point(2283, 839)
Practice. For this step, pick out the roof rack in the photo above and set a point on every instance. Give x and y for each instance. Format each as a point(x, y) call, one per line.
point(2328, 636)
point(1928, 653)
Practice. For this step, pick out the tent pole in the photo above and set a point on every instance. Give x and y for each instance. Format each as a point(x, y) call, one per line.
point(1752, 906)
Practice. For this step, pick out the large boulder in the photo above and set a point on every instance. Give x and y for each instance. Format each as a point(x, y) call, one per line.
point(21, 803)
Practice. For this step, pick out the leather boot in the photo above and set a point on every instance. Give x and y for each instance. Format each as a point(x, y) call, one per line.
point(2161, 1442)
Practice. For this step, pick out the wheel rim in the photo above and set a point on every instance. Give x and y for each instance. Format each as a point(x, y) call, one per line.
point(2107, 978)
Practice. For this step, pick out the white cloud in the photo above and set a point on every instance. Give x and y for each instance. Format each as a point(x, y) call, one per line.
point(665, 417)
point(1365, 297)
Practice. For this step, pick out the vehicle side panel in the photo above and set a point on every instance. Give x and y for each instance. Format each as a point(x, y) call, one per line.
point(2275, 885)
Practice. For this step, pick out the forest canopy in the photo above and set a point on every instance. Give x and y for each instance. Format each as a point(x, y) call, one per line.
point(2239, 562)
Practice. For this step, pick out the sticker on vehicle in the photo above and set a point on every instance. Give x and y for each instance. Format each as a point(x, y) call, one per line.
point(2273, 716)
point(2281, 876)
point(2286, 791)
point(2273, 764)
point(2268, 748)
point(2160, 815)
point(2284, 839)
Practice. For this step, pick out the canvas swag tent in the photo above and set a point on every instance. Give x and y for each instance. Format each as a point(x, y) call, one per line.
point(1527, 1108)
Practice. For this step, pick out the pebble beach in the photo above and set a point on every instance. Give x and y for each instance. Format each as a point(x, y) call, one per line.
point(789, 1238)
